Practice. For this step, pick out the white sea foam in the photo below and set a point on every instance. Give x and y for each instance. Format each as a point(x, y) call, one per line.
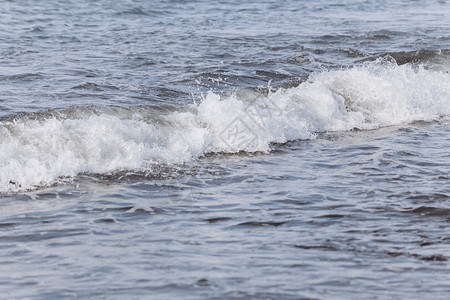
point(38, 150)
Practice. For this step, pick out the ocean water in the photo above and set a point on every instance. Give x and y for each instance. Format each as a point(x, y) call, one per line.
point(224, 150)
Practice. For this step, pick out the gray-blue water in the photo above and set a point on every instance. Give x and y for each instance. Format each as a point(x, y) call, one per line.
point(224, 150)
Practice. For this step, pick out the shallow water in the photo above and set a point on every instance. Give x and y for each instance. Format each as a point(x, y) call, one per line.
point(176, 149)
point(348, 214)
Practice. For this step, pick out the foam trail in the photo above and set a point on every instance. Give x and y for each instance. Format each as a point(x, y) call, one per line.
point(39, 150)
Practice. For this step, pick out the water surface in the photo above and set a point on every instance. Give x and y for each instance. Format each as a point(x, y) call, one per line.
point(258, 150)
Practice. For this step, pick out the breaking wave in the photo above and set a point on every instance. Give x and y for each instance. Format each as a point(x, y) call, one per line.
point(40, 149)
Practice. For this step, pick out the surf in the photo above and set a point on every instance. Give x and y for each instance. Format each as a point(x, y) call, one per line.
point(44, 148)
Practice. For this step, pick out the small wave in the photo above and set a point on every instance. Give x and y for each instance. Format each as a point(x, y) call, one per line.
point(21, 77)
point(415, 56)
point(39, 149)
point(433, 57)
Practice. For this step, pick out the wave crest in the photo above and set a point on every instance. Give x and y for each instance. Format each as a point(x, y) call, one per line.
point(38, 150)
